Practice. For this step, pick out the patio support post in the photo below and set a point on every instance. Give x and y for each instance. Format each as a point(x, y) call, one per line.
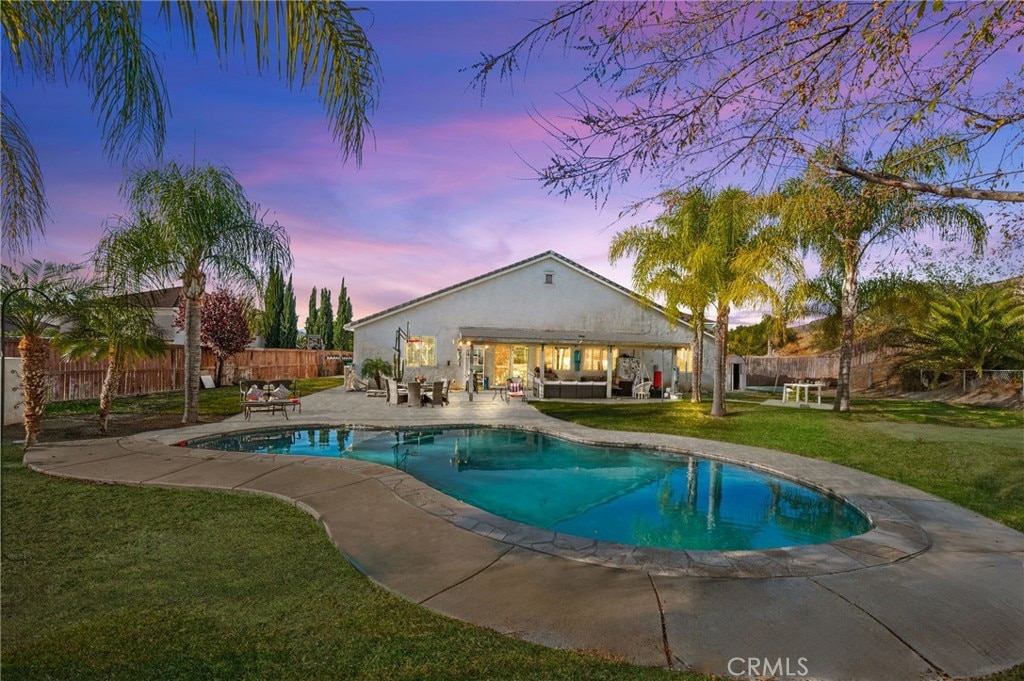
point(470, 375)
point(608, 373)
point(543, 369)
point(663, 382)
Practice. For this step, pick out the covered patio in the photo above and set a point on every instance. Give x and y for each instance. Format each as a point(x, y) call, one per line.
point(573, 364)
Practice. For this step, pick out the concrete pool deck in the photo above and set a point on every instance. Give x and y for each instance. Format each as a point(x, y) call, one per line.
point(934, 590)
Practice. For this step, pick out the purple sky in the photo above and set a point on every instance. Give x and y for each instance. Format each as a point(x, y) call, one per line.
point(445, 191)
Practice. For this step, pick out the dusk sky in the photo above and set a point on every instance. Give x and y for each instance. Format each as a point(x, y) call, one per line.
point(445, 191)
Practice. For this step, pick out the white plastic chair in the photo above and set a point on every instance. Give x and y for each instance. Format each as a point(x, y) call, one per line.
point(642, 390)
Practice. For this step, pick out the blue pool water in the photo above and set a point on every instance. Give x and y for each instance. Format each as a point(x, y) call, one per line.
point(612, 494)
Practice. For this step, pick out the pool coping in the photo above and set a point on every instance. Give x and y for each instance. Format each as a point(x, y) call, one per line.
point(893, 536)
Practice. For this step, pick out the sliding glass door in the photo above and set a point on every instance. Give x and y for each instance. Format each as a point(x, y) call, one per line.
point(511, 361)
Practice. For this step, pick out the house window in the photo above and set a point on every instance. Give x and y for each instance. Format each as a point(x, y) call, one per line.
point(594, 359)
point(549, 278)
point(421, 351)
point(684, 359)
point(557, 358)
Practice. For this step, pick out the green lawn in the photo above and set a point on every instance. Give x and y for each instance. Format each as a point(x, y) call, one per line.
point(123, 582)
point(216, 402)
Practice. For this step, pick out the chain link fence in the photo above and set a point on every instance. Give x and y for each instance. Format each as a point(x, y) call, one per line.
point(969, 380)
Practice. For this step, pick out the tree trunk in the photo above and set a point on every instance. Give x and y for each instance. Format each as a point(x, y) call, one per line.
point(193, 289)
point(107, 390)
point(696, 376)
point(849, 316)
point(33, 350)
point(220, 369)
point(721, 345)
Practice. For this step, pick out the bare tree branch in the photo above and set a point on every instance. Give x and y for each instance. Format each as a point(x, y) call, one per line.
point(928, 187)
point(699, 89)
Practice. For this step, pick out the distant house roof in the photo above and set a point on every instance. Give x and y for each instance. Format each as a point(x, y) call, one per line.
point(12, 329)
point(509, 268)
point(161, 297)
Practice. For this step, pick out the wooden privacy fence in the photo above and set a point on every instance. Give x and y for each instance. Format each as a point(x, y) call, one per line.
point(868, 369)
point(83, 379)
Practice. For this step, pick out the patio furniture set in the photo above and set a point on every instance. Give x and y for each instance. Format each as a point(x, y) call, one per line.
point(416, 393)
point(269, 396)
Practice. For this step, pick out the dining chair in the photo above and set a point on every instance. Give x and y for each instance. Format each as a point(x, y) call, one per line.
point(437, 394)
point(415, 394)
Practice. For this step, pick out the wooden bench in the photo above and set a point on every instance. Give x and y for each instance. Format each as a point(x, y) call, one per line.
point(269, 396)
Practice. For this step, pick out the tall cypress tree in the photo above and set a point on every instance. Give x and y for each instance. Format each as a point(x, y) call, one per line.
point(312, 325)
point(289, 318)
point(349, 335)
point(273, 304)
point(325, 319)
point(342, 338)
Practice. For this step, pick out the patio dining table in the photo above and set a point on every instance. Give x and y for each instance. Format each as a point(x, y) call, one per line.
point(426, 390)
point(798, 388)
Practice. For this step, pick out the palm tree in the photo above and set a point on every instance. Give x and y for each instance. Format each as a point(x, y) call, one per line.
point(886, 303)
point(841, 218)
point(375, 368)
point(104, 46)
point(744, 260)
point(982, 329)
point(35, 298)
point(116, 330)
point(716, 249)
point(190, 224)
point(661, 267)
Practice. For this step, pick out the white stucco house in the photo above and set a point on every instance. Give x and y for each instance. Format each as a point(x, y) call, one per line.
point(562, 328)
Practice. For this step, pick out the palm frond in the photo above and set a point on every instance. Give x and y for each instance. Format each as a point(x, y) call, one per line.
point(318, 45)
point(25, 210)
point(38, 294)
point(111, 327)
point(190, 222)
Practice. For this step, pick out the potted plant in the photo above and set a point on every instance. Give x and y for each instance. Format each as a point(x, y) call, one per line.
point(375, 368)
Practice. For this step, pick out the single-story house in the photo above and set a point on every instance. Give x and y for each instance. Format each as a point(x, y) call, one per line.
point(562, 328)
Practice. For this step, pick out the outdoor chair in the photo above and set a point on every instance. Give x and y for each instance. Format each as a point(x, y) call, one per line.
point(376, 392)
point(415, 396)
point(515, 390)
point(438, 394)
point(642, 390)
point(361, 386)
point(394, 394)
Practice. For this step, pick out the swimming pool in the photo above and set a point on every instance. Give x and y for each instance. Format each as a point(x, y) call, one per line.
point(630, 496)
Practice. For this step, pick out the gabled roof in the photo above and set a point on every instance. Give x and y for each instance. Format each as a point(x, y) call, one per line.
point(572, 264)
point(161, 297)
